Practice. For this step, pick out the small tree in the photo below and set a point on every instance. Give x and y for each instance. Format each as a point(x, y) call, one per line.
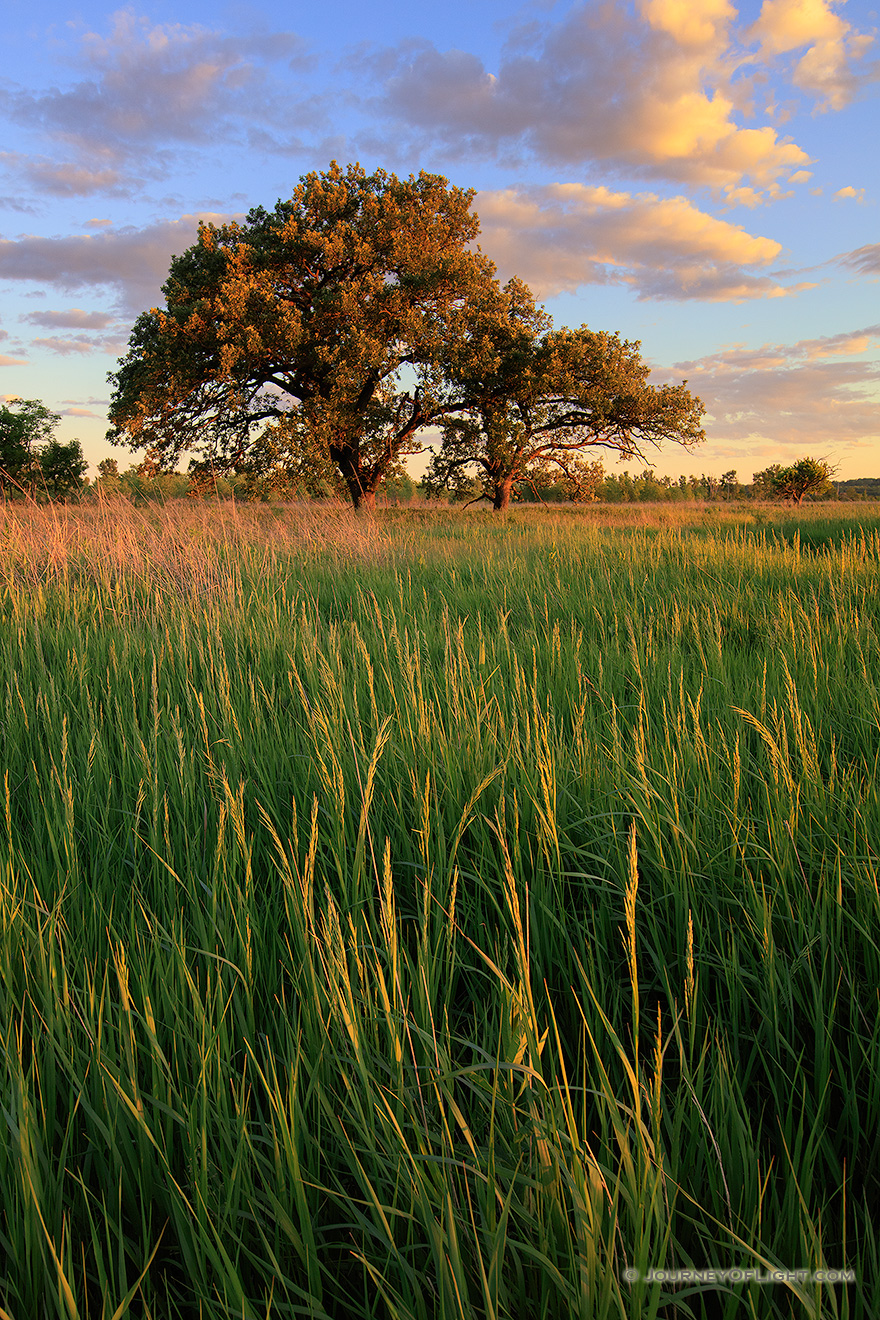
point(108, 482)
point(62, 468)
point(25, 424)
point(547, 401)
point(729, 484)
point(808, 477)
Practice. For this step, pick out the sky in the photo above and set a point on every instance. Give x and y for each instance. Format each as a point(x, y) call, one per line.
point(697, 175)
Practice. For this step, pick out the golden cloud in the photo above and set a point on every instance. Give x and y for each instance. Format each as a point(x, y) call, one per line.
point(833, 46)
point(561, 237)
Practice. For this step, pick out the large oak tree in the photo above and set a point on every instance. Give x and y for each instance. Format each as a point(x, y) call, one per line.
point(318, 330)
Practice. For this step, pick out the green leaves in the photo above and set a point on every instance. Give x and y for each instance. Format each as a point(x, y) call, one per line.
point(306, 316)
point(541, 401)
point(32, 461)
point(793, 484)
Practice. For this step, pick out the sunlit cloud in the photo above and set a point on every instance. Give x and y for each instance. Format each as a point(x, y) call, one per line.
point(831, 47)
point(739, 358)
point(6, 361)
point(131, 263)
point(849, 194)
point(75, 318)
point(602, 87)
point(788, 395)
point(563, 236)
point(664, 90)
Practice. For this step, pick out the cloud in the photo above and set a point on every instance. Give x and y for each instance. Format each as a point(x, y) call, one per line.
point(849, 194)
point(11, 362)
point(664, 88)
point(146, 88)
point(561, 237)
point(79, 412)
point(63, 179)
point(866, 260)
point(73, 319)
point(132, 262)
point(832, 47)
point(65, 347)
point(845, 345)
point(649, 91)
point(787, 394)
point(15, 203)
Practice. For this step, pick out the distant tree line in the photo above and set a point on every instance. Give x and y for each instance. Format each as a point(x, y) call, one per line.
point(808, 478)
point(35, 465)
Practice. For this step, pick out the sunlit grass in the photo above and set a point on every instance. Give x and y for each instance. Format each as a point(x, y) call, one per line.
point(437, 916)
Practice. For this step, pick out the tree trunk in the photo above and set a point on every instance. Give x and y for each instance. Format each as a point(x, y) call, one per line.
point(502, 494)
point(363, 500)
point(360, 488)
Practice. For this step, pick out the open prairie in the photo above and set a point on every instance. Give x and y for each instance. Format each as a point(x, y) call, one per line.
point(438, 915)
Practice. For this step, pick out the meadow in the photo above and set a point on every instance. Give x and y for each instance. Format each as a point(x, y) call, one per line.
point(438, 915)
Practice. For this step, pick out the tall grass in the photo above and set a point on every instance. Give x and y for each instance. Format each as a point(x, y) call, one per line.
point(437, 916)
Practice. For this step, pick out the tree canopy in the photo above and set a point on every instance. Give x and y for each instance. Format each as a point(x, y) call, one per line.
point(25, 424)
point(317, 328)
point(314, 342)
point(548, 402)
point(32, 460)
point(809, 476)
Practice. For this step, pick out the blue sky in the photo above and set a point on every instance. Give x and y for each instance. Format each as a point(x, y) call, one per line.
point(698, 175)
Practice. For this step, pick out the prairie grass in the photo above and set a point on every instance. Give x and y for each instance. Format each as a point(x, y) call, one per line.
point(438, 915)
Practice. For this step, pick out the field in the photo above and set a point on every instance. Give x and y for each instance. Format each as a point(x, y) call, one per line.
point(438, 915)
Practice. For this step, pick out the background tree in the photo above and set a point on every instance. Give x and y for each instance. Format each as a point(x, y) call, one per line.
point(327, 318)
point(108, 481)
point(63, 468)
point(25, 425)
point(807, 477)
point(730, 487)
point(547, 401)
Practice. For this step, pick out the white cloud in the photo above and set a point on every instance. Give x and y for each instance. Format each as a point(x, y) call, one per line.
point(650, 93)
point(564, 236)
point(664, 90)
